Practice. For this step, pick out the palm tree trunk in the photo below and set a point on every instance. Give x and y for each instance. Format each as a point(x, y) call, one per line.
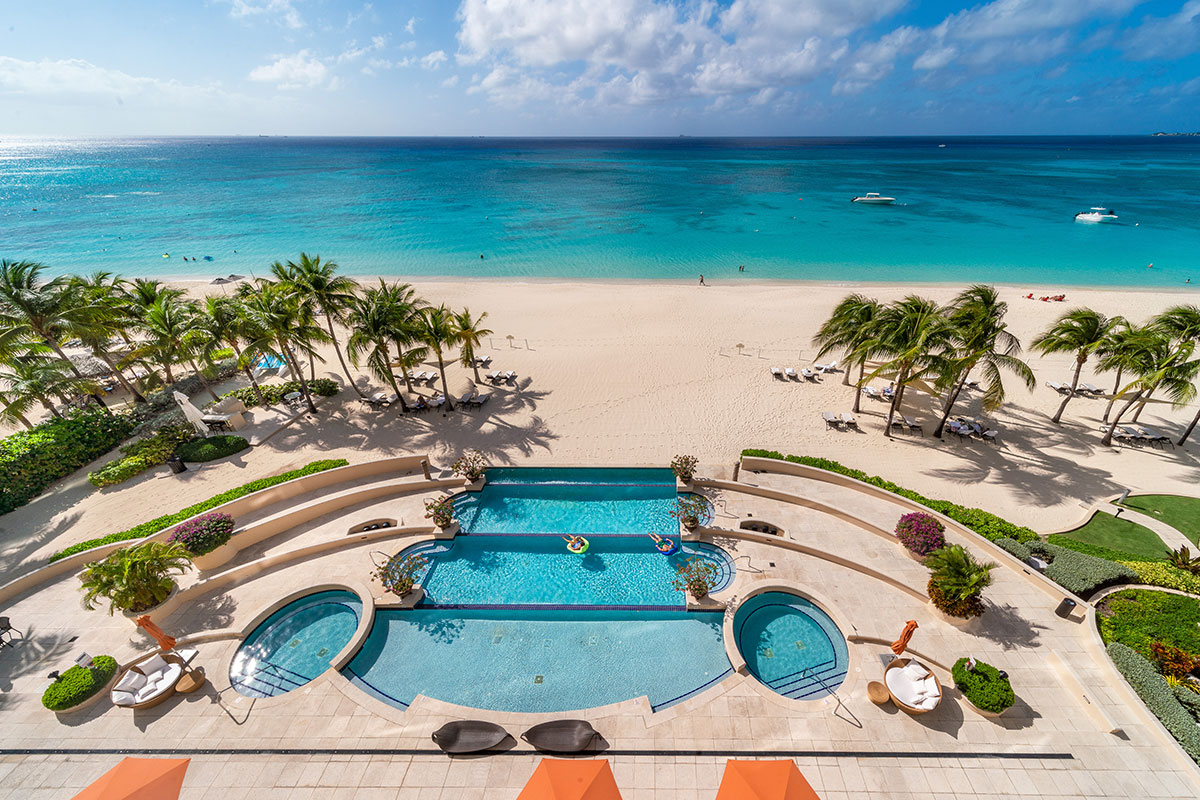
point(1191, 427)
point(381, 346)
point(445, 386)
point(950, 401)
point(129, 387)
point(1113, 399)
point(49, 407)
point(203, 380)
point(887, 431)
point(862, 369)
point(1074, 383)
point(846, 377)
point(337, 348)
point(294, 365)
point(1108, 435)
point(167, 370)
point(54, 346)
point(237, 351)
point(1141, 406)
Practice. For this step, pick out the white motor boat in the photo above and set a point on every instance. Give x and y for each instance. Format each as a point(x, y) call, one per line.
point(874, 198)
point(1096, 214)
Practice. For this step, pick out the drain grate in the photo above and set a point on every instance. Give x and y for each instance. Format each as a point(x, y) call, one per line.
point(538, 678)
point(800, 645)
point(322, 652)
point(294, 643)
point(768, 653)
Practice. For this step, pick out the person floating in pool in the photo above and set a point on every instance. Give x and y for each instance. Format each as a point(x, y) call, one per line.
point(576, 544)
point(663, 544)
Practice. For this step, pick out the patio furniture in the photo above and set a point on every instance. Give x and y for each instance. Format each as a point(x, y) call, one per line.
point(778, 779)
point(989, 436)
point(791, 373)
point(912, 685)
point(808, 374)
point(561, 736)
point(480, 399)
point(820, 367)
point(831, 419)
point(149, 682)
point(6, 629)
point(294, 399)
point(467, 398)
point(878, 693)
point(216, 422)
point(849, 419)
point(912, 426)
point(468, 736)
point(1091, 388)
point(777, 372)
point(192, 680)
point(871, 392)
point(157, 778)
point(897, 423)
point(509, 376)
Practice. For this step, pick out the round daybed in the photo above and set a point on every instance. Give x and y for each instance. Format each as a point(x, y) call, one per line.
point(913, 686)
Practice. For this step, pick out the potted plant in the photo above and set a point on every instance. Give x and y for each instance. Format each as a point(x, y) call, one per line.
point(920, 534)
point(696, 576)
point(441, 511)
point(134, 579)
point(986, 688)
point(79, 684)
point(399, 575)
point(690, 509)
point(472, 466)
point(684, 468)
point(203, 534)
point(957, 581)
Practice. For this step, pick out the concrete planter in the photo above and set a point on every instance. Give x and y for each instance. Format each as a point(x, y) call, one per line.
point(477, 484)
point(684, 486)
point(968, 625)
point(91, 701)
point(917, 558)
point(160, 611)
point(448, 532)
point(980, 711)
point(217, 558)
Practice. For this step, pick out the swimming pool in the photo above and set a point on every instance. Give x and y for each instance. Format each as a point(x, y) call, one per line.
point(268, 361)
point(540, 661)
point(616, 571)
point(295, 644)
point(790, 645)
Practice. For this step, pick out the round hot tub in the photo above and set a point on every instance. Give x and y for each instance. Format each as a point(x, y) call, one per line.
point(790, 645)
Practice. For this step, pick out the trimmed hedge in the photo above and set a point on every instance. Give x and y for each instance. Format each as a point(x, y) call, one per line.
point(167, 520)
point(1158, 697)
point(142, 455)
point(32, 460)
point(1018, 549)
point(1096, 550)
point(983, 686)
point(274, 392)
point(986, 524)
point(79, 683)
point(1189, 700)
point(1080, 573)
point(212, 448)
point(1160, 573)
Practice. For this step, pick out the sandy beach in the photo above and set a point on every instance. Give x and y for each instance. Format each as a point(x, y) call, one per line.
point(634, 373)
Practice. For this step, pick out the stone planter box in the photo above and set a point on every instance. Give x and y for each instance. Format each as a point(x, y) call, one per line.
point(969, 625)
point(160, 611)
point(476, 485)
point(448, 532)
point(980, 711)
point(684, 486)
point(217, 558)
point(91, 701)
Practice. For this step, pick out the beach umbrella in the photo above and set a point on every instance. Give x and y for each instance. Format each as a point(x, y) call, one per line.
point(193, 415)
point(555, 779)
point(764, 780)
point(139, 779)
point(165, 642)
point(219, 281)
point(905, 635)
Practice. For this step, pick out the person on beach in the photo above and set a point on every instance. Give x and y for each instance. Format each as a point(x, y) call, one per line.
point(702, 283)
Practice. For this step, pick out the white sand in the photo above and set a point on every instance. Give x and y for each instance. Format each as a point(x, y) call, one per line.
point(634, 373)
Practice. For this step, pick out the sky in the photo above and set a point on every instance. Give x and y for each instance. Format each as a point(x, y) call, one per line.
point(598, 67)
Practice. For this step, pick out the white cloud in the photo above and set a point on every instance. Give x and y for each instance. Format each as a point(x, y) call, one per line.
point(1170, 37)
point(411, 26)
point(301, 70)
point(283, 10)
point(450, 82)
point(76, 79)
point(353, 52)
point(434, 59)
point(875, 61)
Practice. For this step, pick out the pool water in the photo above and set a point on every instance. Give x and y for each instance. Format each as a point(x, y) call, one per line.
point(268, 361)
point(540, 661)
point(791, 645)
point(616, 571)
point(295, 644)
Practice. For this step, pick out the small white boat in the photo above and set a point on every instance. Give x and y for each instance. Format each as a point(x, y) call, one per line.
point(874, 198)
point(1096, 214)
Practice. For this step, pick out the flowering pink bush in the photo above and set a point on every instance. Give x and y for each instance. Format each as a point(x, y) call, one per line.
point(205, 533)
point(921, 533)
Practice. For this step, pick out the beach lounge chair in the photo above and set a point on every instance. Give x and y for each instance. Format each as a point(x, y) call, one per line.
point(562, 736)
point(467, 398)
point(871, 392)
point(989, 436)
point(912, 685)
point(971, 383)
point(468, 736)
point(808, 374)
point(777, 372)
point(791, 373)
point(480, 399)
point(509, 376)
point(832, 366)
point(820, 367)
point(494, 375)
point(897, 423)
point(1061, 388)
point(831, 419)
point(849, 419)
point(912, 426)
point(483, 362)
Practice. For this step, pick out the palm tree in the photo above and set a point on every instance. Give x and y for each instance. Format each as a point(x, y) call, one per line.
point(981, 339)
point(224, 324)
point(911, 338)
point(1181, 323)
point(1110, 354)
point(371, 318)
point(1158, 364)
point(167, 321)
point(847, 328)
point(406, 306)
point(1080, 331)
point(37, 376)
point(331, 294)
point(134, 578)
point(470, 336)
point(282, 326)
point(436, 329)
point(105, 292)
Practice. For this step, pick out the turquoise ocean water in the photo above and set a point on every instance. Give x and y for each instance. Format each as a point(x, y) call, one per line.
point(978, 209)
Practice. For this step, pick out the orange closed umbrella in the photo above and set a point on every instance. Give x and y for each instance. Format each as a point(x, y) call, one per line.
point(571, 780)
point(164, 642)
point(139, 779)
point(764, 780)
point(905, 635)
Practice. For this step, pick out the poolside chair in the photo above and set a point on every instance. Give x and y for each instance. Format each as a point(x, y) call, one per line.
point(831, 419)
point(820, 367)
point(849, 419)
point(912, 426)
point(912, 685)
point(871, 392)
point(562, 736)
point(777, 372)
point(989, 436)
point(791, 373)
point(808, 374)
point(6, 630)
point(468, 736)
point(149, 682)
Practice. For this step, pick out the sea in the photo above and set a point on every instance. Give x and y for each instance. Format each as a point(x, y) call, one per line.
point(977, 209)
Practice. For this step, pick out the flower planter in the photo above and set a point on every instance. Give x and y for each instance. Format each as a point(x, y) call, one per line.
point(969, 625)
point(448, 532)
point(217, 558)
point(914, 556)
point(91, 701)
point(476, 485)
point(979, 710)
point(159, 612)
point(684, 486)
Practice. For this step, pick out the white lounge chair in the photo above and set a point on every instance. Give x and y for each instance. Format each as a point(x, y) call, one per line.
point(1061, 388)
point(791, 373)
point(849, 419)
point(808, 374)
point(1091, 388)
point(832, 366)
point(871, 392)
point(972, 383)
point(494, 375)
point(913, 686)
point(149, 682)
point(820, 367)
point(777, 372)
point(989, 436)
point(831, 419)
point(912, 426)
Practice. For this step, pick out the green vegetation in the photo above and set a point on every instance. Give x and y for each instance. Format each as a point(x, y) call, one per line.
point(957, 581)
point(1160, 573)
point(1181, 513)
point(212, 448)
point(986, 524)
point(167, 520)
point(203, 534)
point(1137, 618)
point(273, 392)
point(1122, 535)
point(1074, 571)
point(983, 686)
point(1090, 549)
point(32, 460)
point(134, 578)
point(141, 455)
point(79, 683)
point(1158, 697)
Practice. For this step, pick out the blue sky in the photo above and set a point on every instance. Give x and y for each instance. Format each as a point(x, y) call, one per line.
point(599, 67)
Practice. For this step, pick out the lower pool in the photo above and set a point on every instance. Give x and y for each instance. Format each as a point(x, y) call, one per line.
point(540, 661)
point(791, 645)
point(295, 644)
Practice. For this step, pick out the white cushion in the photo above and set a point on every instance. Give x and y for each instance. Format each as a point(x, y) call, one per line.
point(904, 690)
point(915, 671)
point(170, 675)
point(130, 682)
point(930, 685)
point(154, 663)
point(147, 692)
point(927, 703)
point(122, 698)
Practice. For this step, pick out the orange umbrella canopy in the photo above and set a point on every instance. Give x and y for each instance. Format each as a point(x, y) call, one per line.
point(164, 642)
point(764, 780)
point(139, 779)
point(571, 780)
point(905, 635)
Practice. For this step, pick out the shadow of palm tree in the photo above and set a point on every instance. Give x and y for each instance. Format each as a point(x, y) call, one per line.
point(1004, 625)
point(33, 652)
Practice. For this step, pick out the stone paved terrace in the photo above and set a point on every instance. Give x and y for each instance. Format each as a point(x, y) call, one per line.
point(1049, 745)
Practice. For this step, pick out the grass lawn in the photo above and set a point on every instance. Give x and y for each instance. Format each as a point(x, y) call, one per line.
point(1137, 618)
point(1181, 513)
point(1112, 533)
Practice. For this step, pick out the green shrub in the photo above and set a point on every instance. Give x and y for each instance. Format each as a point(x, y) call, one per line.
point(212, 448)
point(1158, 697)
point(274, 392)
point(1138, 618)
point(142, 455)
point(167, 520)
point(32, 460)
point(1080, 573)
point(983, 686)
point(1087, 548)
point(1188, 699)
point(79, 683)
point(1018, 549)
point(986, 524)
point(1160, 573)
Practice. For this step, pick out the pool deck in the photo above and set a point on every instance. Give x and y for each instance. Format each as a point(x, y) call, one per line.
point(342, 743)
